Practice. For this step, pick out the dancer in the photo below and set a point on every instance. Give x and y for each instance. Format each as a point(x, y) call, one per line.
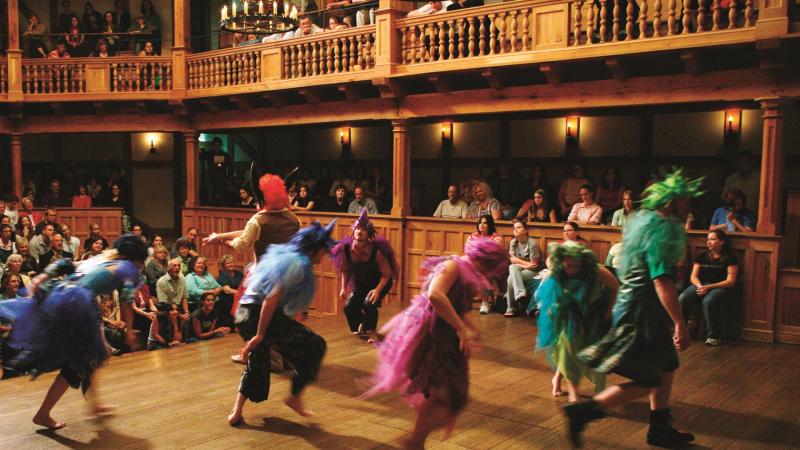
point(367, 265)
point(61, 328)
point(425, 354)
point(575, 309)
point(641, 343)
point(281, 285)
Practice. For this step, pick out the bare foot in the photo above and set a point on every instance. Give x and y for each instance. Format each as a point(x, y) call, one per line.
point(373, 337)
point(48, 422)
point(296, 404)
point(238, 359)
point(99, 410)
point(235, 420)
point(557, 392)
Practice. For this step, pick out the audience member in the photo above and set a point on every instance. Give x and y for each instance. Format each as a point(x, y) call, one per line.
point(586, 212)
point(14, 265)
point(484, 203)
point(609, 192)
point(745, 179)
point(9, 287)
point(60, 52)
point(24, 228)
point(164, 329)
point(246, 200)
point(102, 49)
point(157, 240)
point(95, 190)
point(361, 201)
point(50, 218)
point(32, 37)
point(569, 193)
point(156, 267)
point(525, 258)
point(114, 329)
point(733, 216)
point(229, 280)
point(303, 200)
point(204, 320)
point(40, 244)
point(142, 32)
point(55, 253)
point(82, 200)
point(71, 243)
point(95, 233)
point(507, 187)
point(485, 228)
point(184, 256)
point(307, 27)
point(623, 215)
point(537, 209)
point(95, 248)
point(7, 242)
point(122, 19)
point(461, 4)
point(11, 211)
point(190, 240)
point(572, 233)
point(614, 258)
point(538, 180)
point(110, 30)
point(430, 8)
point(76, 41)
point(452, 207)
point(340, 180)
point(339, 203)
point(148, 49)
point(54, 197)
point(713, 279)
point(144, 309)
point(171, 289)
point(29, 264)
point(199, 282)
point(27, 211)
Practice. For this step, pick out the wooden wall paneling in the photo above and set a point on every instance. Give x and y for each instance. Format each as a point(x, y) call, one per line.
point(787, 316)
point(110, 220)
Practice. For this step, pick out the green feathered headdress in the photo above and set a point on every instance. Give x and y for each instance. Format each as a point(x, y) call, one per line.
point(672, 187)
point(559, 252)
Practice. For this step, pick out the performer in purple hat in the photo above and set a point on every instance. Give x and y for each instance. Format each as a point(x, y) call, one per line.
point(367, 265)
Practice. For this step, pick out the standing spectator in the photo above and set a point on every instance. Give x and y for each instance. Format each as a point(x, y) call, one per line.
point(40, 244)
point(116, 199)
point(171, 289)
point(153, 22)
point(623, 215)
point(14, 266)
point(375, 188)
point(122, 20)
point(95, 233)
point(33, 38)
point(156, 267)
point(733, 216)
point(95, 190)
point(229, 280)
point(7, 244)
point(452, 207)
point(71, 243)
point(141, 31)
point(537, 209)
point(586, 212)
point(205, 318)
point(95, 248)
point(110, 30)
point(54, 197)
point(361, 201)
point(92, 20)
point(339, 203)
point(190, 240)
point(76, 41)
point(82, 200)
point(569, 193)
point(303, 200)
point(55, 253)
point(713, 279)
point(609, 192)
point(217, 169)
point(484, 203)
point(247, 200)
point(525, 258)
point(745, 179)
point(199, 282)
point(24, 229)
point(65, 17)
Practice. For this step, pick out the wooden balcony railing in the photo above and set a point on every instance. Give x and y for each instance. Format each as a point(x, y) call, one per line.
point(53, 76)
point(236, 66)
point(3, 78)
point(328, 53)
point(139, 74)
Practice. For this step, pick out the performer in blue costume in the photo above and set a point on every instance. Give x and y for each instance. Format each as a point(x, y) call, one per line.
point(647, 324)
point(61, 327)
point(281, 286)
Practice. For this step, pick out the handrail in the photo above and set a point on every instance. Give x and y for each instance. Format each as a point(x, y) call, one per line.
point(3, 77)
point(327, 53)
point(92, 75)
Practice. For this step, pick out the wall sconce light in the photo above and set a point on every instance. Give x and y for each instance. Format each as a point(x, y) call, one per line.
point(153, 138)
point(344, 135)
point(733, 121)
point(447, 131)
point(572, 125)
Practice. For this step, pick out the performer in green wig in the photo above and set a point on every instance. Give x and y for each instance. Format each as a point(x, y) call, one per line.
point(647, 324)
point(575, 303)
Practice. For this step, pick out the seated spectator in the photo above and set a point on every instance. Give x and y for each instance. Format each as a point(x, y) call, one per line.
point(733, 216)
point(11, 201)
point(171, 289)
point(82, 200)
point(461, 4)
point(164, 330)
point(307, 28)
point(29, 265)
point(484, 203)
point(340, 180)
point(623, 215)
point(95, 233)
point(76, 42)
point(51, 218)
point(614, 258)
point(339, 203)
point(184, 256)
point(115, 198)
point(71, 243)
point(199, 282)
point(156, 267)
point(572, 233)
point(713, 279)
point(586, 212)
point(525, 258)
point(95, 190)
point(609, 192)
point(538, 180)
point(102, 49)
point(486, 229)
point(430, 8)
point(303, 200)
point(10, 284)
point(95, 249)
point(452, 207)
point(229, 280)
point(157, 240)
point(569, 193)
point(54, 197)
point(114, 329)
point(137, 230)
point(334, 23)
point(247, 200)
point(14, 266)
point(148, 49)
point(204, 320)
point(40, 244)
point(7, 242)
point(366, 14)
point(537, 209)
point(55, 253)
point(33, 43)
point(60, 52)
point(144, 309)
point(27, 211)
point(190, 240)
point(361, 201)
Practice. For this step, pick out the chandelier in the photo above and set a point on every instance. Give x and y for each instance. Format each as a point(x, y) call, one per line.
point(261, 18)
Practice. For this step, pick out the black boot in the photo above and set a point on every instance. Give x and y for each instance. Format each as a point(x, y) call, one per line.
point(661, 432)
point(578, 415)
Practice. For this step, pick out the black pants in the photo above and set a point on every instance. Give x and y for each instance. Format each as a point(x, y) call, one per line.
point(299, 345)
point(359, 310)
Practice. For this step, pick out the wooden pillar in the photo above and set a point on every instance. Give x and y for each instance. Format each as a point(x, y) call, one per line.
point(401, 169)
point(16, 164)
point(180, 46)
point(772, 161)
point(14, 53)
point(387, 40)
point(192, 162)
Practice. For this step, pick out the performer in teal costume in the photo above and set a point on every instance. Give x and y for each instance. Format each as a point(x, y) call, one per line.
point(575, 307)
point(647, 324)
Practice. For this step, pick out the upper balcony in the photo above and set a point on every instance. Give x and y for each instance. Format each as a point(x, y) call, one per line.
point(516, 43)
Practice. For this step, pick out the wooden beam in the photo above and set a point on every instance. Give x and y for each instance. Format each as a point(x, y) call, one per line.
point(352, 92)
point(57, 109)
point(770, 204)
point(210, 104)
point(99, 108)
point(692, 63)
point(242, 102)
point(15, 110)
point(276, 99)
point(770, 54)
point(440, 82)
point(619, 70)
point(388, 87)
point(141, 106)
point(495, 78)
point(179, 107)
point(115, 123)
point(553, 72)
point(312, 95)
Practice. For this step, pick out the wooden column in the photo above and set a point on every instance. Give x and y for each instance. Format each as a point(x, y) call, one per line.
point(16, 164)
point(401, 169)
point(192, 168)
point(14, 53)
point(772, 161)
point(180, 46)
point(387, 40)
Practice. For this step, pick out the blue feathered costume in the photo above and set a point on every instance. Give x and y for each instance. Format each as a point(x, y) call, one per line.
point(288, 267)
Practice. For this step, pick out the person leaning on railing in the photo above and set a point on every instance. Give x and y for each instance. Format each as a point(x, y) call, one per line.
point(430, 8)
point(33, 38)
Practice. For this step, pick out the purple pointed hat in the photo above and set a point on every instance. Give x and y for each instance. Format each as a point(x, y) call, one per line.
point(363, 221)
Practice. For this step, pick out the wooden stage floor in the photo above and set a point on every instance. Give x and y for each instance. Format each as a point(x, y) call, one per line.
point(734, 396)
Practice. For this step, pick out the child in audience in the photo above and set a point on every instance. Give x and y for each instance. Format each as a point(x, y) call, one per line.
point(164, 331)
point(204, 320)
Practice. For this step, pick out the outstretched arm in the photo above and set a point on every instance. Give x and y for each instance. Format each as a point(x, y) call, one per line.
point(668, 296)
